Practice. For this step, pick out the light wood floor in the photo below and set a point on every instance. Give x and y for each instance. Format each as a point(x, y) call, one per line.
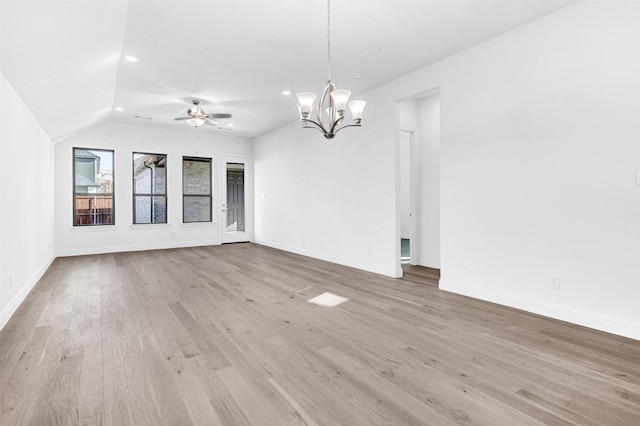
point(224, 335)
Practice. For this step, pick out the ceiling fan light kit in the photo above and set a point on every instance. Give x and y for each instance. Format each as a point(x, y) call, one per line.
point(195, 121)
point(337, 101)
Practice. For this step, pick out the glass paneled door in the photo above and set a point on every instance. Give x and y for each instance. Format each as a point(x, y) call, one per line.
point(236, 200)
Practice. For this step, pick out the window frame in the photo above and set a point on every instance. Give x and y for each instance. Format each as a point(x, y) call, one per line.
point(75, 193)
point(151, 195)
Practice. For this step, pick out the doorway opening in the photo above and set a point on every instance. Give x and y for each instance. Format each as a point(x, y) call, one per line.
point(407, 234)
point(235, 199)
point(418, 182)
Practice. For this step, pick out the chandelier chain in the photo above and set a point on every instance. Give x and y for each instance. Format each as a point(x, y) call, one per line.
point(329, 35)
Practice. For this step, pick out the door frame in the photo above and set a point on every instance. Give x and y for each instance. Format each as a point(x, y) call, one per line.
point(247, 234)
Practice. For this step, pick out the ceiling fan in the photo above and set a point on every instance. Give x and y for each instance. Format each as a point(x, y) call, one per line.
point(196, 117)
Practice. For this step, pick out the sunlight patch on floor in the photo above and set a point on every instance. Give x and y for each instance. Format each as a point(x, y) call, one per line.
point(328, 299)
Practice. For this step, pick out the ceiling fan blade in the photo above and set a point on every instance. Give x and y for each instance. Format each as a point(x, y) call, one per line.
point(210, 121)
point(218, 116)
point(182, 118)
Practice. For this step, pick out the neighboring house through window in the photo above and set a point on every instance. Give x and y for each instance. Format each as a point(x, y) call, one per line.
point(93, 189)
point(149, 188)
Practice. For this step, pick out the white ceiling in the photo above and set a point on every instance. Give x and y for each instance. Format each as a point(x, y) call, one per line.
point(66, 58)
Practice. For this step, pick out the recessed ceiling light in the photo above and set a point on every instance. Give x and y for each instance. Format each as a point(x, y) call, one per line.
point(230, 124)
point(132, 59)
point(286, 92)
point(119, 109)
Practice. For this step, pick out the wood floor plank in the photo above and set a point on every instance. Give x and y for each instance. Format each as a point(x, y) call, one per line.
point(414, 411)
point(456, 400)
point(229, 411)
point(248, 399)
point(9, 355)
point(36, 413)
point(13, 399)
point(91, 386)
point(224, 335)
point(143, 407)
point(196, 390)
point(300, 412)
point(153, 393)
point(49, 379)
point(65, 412)
point(117, 404)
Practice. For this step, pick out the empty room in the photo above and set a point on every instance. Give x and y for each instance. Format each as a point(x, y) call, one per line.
point(319, 212)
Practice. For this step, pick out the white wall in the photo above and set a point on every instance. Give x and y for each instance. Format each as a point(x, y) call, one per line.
point(126, 139)
point(26, 201)
point(539, 154)
point(330, 199)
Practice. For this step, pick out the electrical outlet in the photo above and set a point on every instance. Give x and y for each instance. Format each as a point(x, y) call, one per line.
point(554, 282)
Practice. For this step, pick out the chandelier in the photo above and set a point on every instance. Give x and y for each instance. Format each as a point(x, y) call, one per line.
point(329, 120)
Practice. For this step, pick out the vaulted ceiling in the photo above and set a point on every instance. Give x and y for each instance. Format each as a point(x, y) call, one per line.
point(66, 59)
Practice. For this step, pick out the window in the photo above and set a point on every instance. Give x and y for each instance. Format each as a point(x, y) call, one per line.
point(149, 188)
point(93, 201)
point(196, 189)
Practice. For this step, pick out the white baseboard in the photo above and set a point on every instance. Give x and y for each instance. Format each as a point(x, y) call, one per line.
point(137, 247)
point(7, 312)
point(429, 262)
point(570, 314)
point(369, 267)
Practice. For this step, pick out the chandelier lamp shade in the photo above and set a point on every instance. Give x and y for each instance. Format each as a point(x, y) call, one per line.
point(330, 110)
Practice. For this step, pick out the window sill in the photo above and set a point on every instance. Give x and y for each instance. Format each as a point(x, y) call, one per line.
point(143, 226)
point(93, 228)
point(198, 225)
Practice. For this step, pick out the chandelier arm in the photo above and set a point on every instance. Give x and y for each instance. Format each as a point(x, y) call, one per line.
point(325, 93)
point(317, 125)
point(335, 127)
point(348, 125)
